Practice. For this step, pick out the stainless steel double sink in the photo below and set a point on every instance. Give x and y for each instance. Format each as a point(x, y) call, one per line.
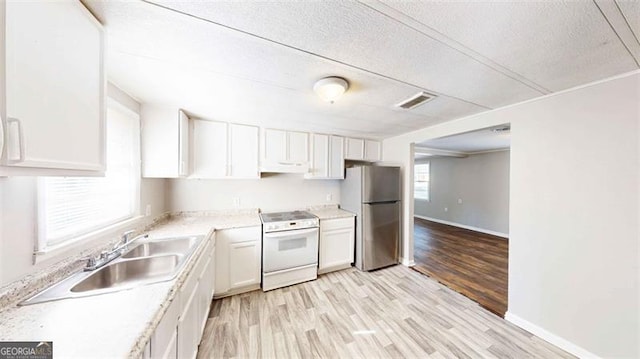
point(146, 262)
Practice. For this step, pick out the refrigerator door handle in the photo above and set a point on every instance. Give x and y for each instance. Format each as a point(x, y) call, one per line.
point(382, 202)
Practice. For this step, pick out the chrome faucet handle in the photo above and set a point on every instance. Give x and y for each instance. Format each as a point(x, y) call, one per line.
point(104, 254)
point(91, 262)
point(126, 235)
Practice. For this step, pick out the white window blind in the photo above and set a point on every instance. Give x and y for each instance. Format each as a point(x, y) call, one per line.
point(73, 206)
point(421, 181)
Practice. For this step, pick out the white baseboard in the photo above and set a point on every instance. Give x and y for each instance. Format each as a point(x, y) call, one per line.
point(481, 230)
point(408, 262)
point(550, 337)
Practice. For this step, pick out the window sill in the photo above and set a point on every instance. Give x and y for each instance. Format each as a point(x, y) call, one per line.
point(86, 241)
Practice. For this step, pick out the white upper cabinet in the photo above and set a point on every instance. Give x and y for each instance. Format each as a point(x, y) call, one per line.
point(319, 156)
point(245, 151)
point(210, 149)
point(355, 149)
point(363, 150)
point(183, 143)
point(285, 151)
point(165, 142)
point(298, 148)
point(372, 150)
point(223, 150)
point(327, 157)
point(53, 86)
point(336, 157)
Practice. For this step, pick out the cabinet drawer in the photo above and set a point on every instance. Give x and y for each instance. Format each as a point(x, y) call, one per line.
point(338, 223)
point(244, 234)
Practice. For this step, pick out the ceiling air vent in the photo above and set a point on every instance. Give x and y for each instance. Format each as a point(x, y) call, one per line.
point(416, 100)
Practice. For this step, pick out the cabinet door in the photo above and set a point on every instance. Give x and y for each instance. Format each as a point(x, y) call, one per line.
point(238, 258)
point(163, 341)
point(55, 86)
point(372, 150)
point(188, 327)
point(336, 157)
point(244, 151)
point(204, 301)
point(275, 146)
point(337, 244)
point(355, 149)
point(183, 144)
point(298, 147)
point(244, 263)
point(160, 141)
point(336, 248)
point(171, 349)
point(319, 156)
point(209, 149)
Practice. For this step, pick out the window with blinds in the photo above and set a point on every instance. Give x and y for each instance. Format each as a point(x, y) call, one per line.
point(74, 206)
point(421, 181)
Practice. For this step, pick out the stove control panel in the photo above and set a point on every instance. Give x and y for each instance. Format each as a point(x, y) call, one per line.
point(288, 225)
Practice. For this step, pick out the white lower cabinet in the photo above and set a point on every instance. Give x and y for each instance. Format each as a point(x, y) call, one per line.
point(337, 244)
point(188, 324)
point(164, 340)
point(238, 260)
point(180, 330)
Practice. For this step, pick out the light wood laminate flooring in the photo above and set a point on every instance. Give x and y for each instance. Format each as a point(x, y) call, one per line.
point(469, 262)
point(390, 313)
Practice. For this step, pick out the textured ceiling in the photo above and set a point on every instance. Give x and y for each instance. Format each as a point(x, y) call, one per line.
point(471, 142)
point(256, 62)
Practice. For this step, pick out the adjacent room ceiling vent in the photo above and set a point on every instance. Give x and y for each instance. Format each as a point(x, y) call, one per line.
point(416, 100)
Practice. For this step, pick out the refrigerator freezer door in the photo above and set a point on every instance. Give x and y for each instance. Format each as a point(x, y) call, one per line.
point(380, 235)
point(380, 184)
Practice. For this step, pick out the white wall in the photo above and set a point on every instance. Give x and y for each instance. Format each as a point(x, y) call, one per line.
point(574, 212)
point(270, 193)
point(18, 220)
point(481, 181)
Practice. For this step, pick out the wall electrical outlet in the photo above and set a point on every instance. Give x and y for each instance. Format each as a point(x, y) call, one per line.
point(329, 197)
point(446, 209)
point(459, 200)
point(147, 211)
point(236, 201)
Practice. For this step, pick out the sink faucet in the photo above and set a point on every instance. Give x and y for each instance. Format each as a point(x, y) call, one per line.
point(124, 240)
point(117, 250)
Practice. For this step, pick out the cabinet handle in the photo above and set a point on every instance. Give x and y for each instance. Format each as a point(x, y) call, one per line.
point(20, 139)
point(290, 163)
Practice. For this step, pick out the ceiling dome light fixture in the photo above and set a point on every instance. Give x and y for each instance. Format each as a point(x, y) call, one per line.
point(330, 88)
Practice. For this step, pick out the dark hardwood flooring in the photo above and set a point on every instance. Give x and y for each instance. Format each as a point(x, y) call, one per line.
point(472, 263)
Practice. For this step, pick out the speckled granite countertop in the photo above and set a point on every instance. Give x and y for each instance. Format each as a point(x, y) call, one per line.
point(115, 325)
point(331, 213)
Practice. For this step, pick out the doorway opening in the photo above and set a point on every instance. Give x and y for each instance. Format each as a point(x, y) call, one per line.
point(461, 210)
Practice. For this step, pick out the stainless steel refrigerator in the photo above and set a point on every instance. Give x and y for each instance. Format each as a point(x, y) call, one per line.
point(373, 194)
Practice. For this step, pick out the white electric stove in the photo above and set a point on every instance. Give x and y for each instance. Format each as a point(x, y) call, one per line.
point(289, 248)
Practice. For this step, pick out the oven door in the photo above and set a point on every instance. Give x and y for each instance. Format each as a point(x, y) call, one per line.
point(289, 249)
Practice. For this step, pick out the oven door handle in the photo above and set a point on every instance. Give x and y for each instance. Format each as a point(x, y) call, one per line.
point(291, 233)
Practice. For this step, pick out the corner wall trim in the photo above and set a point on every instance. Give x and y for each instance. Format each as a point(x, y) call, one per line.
point(408, 262)
point(549, 337)
point(481, 230)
